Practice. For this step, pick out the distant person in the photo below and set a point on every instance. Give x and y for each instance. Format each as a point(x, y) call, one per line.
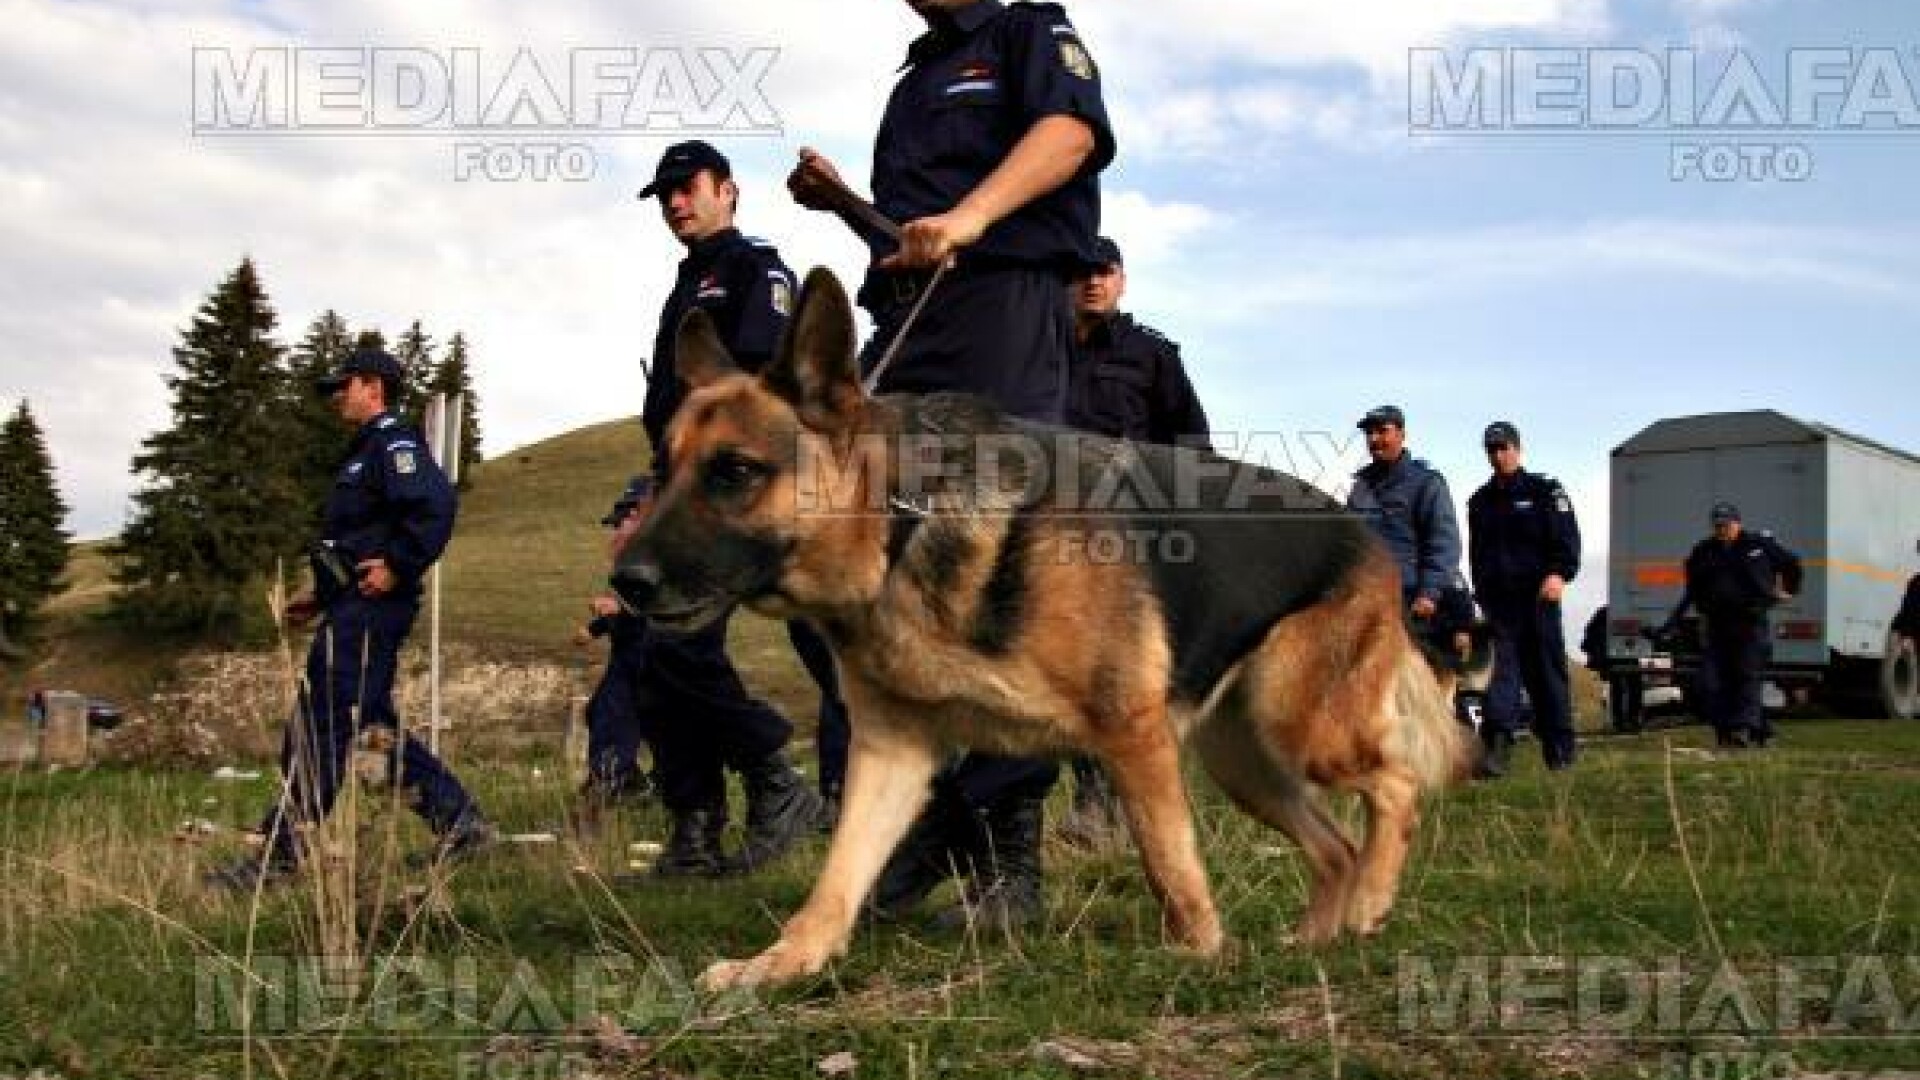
point(387, 521)
point(617, 717)
point(1407, 503)
point(1625, 688)
point(1125, 380)
point(1906, 624)
point(1734, 577)
point(1524, 546)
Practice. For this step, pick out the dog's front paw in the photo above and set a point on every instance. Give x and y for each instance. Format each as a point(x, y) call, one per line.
point(783, 963)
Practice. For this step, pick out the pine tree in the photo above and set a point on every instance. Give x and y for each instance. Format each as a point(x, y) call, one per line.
point(321, 437)
point(414, 350)
point(454, 376)
point(33, 540)
point(224, 500)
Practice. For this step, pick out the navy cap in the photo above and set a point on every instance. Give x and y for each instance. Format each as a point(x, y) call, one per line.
point(1106, 253)
point(1381, 415)
point(1500, 433)
point(1724, 512)
point(361, 362)
point(630, 496)
point(681, 162)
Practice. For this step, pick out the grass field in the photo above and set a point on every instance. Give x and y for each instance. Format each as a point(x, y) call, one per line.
point(1661, 911)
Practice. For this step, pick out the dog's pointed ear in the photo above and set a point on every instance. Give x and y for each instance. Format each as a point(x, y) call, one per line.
point(698, 355)
point(815, 369)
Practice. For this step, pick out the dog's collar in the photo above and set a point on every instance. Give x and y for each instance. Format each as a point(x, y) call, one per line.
point(906, 517)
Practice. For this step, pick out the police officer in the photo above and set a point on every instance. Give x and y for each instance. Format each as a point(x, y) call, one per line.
point(1125, 381)
point(988, 154)
point(1733, 577)
point(1524, 546)
point(1906, 623)
point(617, 719)
point(386, 521)
point(709, 721)
point(1407, 503)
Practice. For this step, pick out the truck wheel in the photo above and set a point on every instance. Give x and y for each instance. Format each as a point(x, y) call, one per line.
point(1900, 680)
point(1626, 702)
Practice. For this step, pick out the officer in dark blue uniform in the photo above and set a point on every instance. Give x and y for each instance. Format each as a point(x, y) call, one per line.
point(709, 721)
point(619, 712)
point(1407, 503)
point(386, 522)
point(1733, 578)
point(988, 154)
point(1125, 381)
point(1524, 546)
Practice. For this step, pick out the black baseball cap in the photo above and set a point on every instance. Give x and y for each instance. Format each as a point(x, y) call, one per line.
point(1724, 512)
point(1106, 253)
point(1382, 415)
point(681, 162)
point(1500, 433)
point(630, 496)
point(361, 362)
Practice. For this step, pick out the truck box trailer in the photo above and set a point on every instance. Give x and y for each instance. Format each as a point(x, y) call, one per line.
point(1849, 506)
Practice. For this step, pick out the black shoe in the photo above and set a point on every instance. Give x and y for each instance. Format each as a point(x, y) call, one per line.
point(1094, 821)
point(781, 810)
point(940, 845)
point(1006, 889)
point(1731, 740)
point(693, 847)
point(469, 835)
point(245, 875)
point(1495, 752)
point(829, 810)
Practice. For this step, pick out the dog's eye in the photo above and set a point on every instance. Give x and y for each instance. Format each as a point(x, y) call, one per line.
point(733, 474)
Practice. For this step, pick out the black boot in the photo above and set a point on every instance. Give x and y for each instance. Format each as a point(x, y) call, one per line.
point(469, 835)
point(1094, 821)
point(693, 847)
point(244, 875)
point(781, 809)
point(1005, 891)
point(941, 844)
point(1495, 752)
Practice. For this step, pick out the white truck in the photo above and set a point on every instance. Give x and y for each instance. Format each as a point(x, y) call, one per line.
point(1849, 506)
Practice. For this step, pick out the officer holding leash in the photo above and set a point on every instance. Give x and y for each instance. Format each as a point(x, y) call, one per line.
point(386, 522)
point(988, 158)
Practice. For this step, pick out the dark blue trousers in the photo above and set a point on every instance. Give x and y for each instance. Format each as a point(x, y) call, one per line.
point(1731, 671)
point(834, 734)
point(707, 721)
point(350, 672)
point(1530, 650)
point(622, 710)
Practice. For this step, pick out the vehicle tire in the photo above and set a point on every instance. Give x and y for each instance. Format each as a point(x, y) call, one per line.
point(1900, 679)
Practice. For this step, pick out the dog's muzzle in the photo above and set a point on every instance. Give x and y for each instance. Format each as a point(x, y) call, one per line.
point(637, 585)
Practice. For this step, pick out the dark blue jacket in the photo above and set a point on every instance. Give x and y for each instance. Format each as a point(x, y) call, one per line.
point(1522, 529)
point(390, 501)
point(974, 84)
point(1408, 506)
point(1735, 582)
point(742, 283)
point(1126, 381)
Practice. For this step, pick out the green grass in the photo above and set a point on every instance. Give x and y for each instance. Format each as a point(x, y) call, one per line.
point(108, 947)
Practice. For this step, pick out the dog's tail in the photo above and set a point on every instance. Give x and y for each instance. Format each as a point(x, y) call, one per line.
point(1438, 748)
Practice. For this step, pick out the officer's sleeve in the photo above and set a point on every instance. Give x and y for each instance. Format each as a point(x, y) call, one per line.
point(1478, 566)
point(1175, 416)
point(1563, 551)
point(762, 291)
point(1051, 73)
point(423, 506)
point(1787, 565)
point(1439, 538)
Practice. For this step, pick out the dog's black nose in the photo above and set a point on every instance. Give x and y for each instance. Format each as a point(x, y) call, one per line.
point(637, 584)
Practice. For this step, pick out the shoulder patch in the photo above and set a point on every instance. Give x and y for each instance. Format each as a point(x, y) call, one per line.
point(403, 460)
point(1074, 57)
point(781, 293)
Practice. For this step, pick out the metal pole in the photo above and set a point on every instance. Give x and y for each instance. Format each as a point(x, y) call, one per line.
point(436, 435)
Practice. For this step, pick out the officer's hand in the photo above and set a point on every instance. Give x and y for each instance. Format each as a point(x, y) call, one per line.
point(1552, 588)
point(814, 181)
point(376, 579)
point(604, 606)
point(1423, 607)
point(930, 241)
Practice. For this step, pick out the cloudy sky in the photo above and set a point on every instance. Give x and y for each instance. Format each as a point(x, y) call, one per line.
point(1297, 211)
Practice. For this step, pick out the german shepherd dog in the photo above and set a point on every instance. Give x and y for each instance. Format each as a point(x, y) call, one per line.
point(1092, 595)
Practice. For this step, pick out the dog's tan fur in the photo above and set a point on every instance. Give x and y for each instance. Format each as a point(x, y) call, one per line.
point(1334, 696)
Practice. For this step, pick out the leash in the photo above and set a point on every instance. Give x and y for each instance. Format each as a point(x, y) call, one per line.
point(900, 336)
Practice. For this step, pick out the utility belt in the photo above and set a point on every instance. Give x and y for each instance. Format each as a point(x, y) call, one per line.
point(890, 294)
